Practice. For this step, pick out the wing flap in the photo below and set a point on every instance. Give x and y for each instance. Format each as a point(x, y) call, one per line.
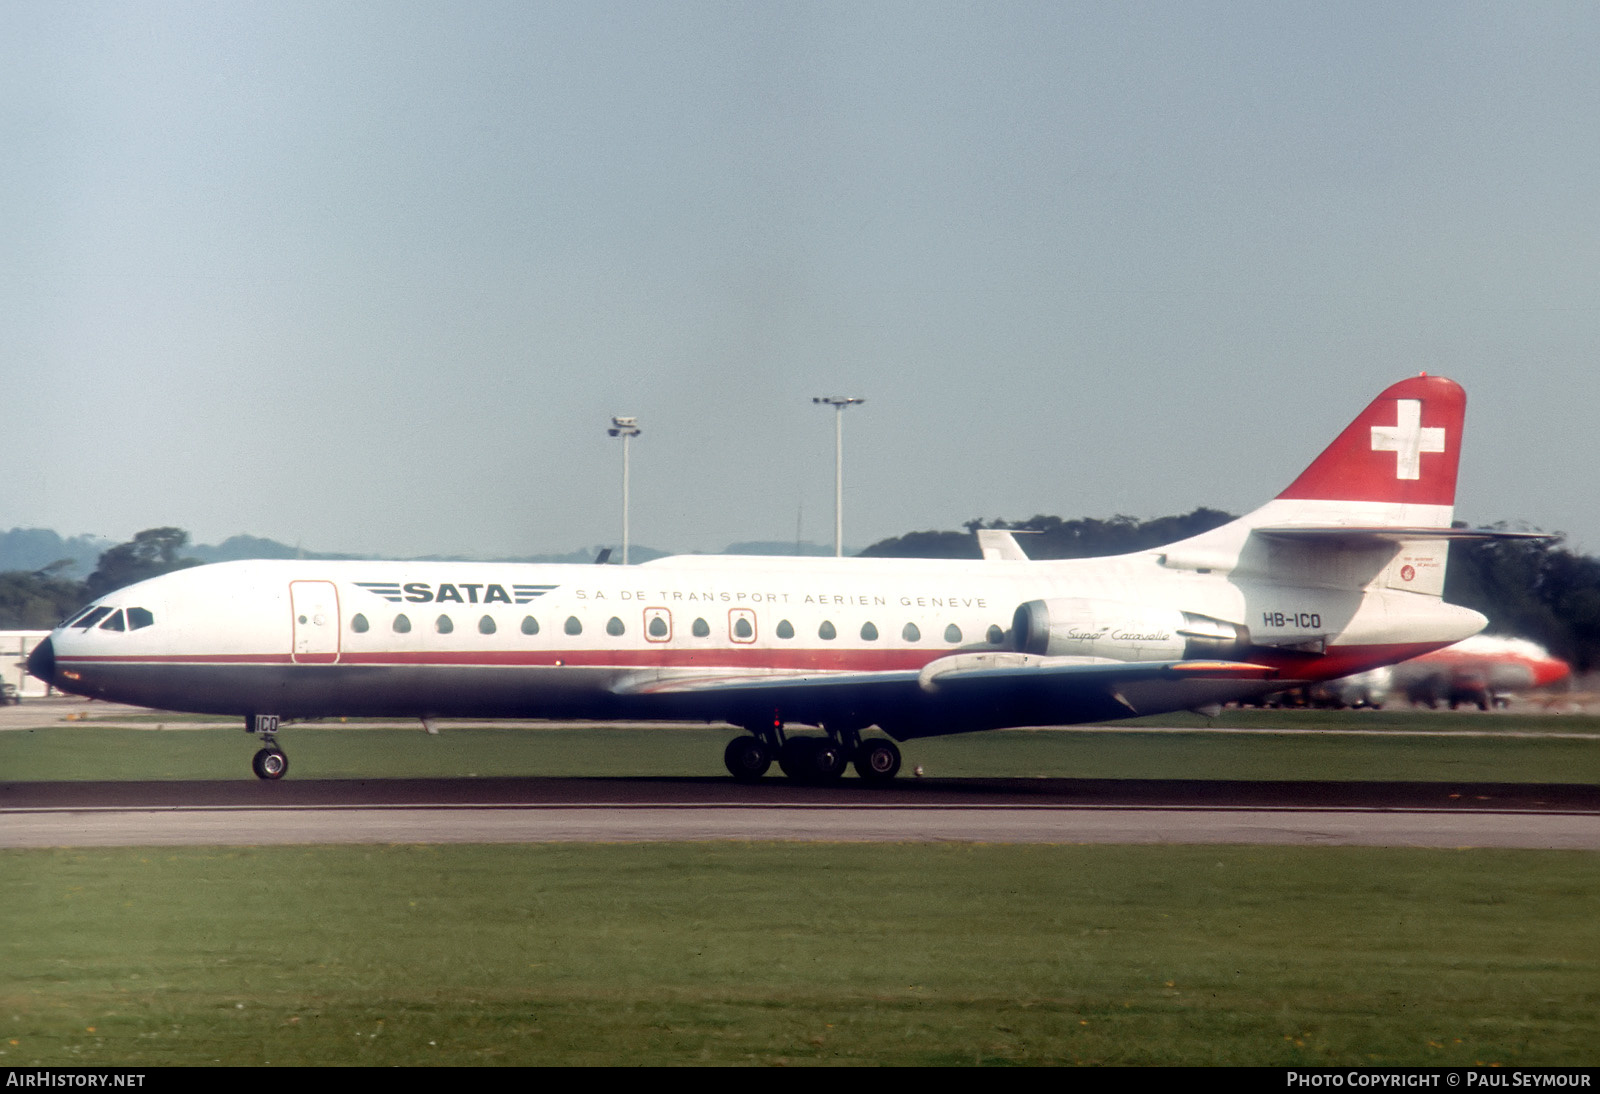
point(1023, 669)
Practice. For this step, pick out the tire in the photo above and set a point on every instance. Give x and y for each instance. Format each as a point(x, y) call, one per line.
point(747, 759)
point(795, 758)
point(270, 764)
point(877, 761)
point(828, 761)
point(812, 760)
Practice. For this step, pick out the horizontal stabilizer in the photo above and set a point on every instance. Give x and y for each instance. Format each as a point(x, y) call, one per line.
point(1376, 533)
point(1000, 543)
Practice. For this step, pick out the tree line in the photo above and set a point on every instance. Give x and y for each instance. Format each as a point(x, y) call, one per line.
point(39, 599)
point(1533, 589)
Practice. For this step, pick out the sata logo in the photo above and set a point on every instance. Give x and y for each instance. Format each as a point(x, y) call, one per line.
point(458, 592)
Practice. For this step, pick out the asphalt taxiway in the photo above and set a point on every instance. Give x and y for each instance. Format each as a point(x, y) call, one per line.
point(514, 810)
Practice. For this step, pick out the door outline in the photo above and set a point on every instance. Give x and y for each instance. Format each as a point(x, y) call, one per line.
point(316, 640)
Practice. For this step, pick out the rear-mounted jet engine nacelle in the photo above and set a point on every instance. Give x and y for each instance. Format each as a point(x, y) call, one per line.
point(1081, 627)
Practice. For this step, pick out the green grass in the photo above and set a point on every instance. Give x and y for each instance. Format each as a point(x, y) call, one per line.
point(329, 750)
point(729, 954)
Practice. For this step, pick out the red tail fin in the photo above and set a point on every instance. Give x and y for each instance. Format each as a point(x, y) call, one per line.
point(1403, 448)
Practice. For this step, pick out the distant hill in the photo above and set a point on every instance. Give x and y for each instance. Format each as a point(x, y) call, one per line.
point(772, 547)
point(31, 549)
point(236, 548)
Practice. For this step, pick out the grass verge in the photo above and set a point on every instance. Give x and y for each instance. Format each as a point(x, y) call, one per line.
point(787, 953)
point(84, 751)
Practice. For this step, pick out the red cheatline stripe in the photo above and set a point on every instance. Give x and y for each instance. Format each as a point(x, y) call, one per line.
point(1337, 661)
point(844, 660)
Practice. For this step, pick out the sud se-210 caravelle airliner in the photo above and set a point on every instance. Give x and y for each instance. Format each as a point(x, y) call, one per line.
point(1341, 572)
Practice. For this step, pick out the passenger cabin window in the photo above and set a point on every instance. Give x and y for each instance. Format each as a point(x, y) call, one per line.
point(995, 636)
point(701, 629)
point(358, 623)
point(402, 625)
point(742, 628)
point(826, 632)
point(530, 625)
point(443, 625)
point(139, 618)
point(869, 633)
point(952, 633)
point(573, 626)
point(486, 625)
point(614, 627)
point(785, 629)
point(910, 633)
point(658, 627)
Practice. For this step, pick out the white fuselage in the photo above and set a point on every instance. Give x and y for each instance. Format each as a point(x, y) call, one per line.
point(313, 639)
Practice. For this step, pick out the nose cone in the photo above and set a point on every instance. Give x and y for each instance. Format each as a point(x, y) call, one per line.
point(42, 662)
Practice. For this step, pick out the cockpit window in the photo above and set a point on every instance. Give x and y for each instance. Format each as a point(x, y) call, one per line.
point(115, 623)
point(140, 617)
point(87, 621)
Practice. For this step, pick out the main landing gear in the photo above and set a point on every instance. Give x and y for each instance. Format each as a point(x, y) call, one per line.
point(270, 763)
point(810, 759)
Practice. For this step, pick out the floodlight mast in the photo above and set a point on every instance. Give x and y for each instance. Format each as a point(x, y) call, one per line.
point(626, 427)
point(838, 402)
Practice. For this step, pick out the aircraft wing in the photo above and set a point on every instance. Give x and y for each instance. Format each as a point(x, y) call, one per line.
point(955, 693)
point(757, 683)
point(973, 671)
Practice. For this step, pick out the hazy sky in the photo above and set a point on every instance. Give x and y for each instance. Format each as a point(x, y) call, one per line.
point(374, 276)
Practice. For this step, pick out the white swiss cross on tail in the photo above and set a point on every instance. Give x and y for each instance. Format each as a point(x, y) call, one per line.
point(1407, 439)
point(1403, 449)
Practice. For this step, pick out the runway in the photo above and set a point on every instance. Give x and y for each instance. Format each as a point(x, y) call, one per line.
point(532, 810)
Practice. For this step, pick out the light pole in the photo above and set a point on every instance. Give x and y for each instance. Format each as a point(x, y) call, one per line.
point(627, 428)
point(838, 402)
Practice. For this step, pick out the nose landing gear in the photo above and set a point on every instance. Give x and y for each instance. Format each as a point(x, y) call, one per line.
point(270, 763)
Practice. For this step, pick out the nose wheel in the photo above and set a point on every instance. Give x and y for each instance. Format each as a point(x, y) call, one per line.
point(270, 763)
